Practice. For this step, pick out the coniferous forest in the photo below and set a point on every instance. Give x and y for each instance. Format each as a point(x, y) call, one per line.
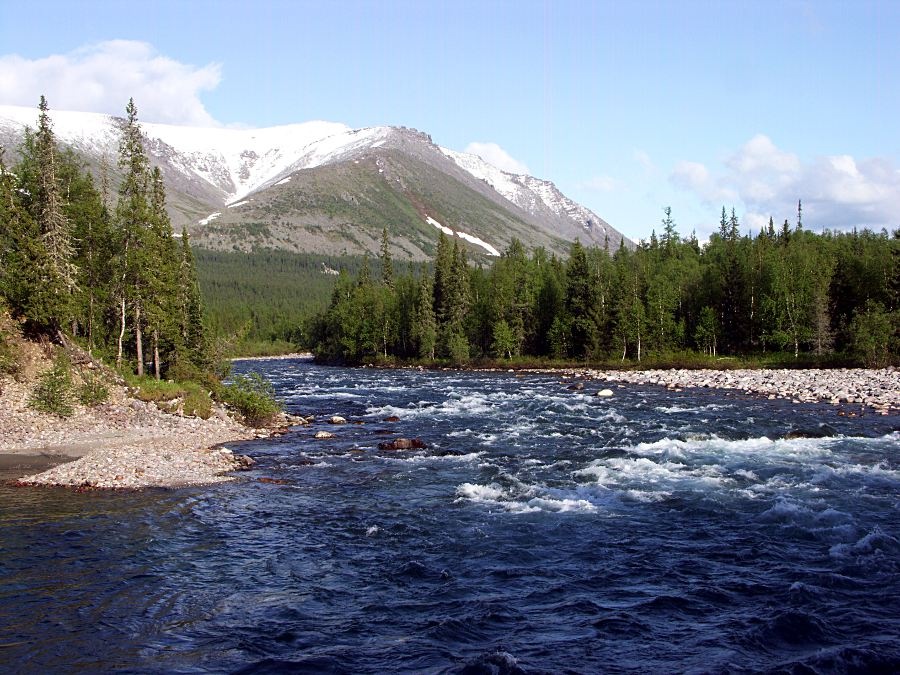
point(830, 298)
point(106, 270)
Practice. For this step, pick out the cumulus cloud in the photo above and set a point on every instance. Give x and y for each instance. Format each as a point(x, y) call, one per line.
point(102, 77)
point(838, 191)
point(494, 154)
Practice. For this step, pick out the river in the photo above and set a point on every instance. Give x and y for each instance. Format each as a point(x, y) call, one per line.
point(541, 530)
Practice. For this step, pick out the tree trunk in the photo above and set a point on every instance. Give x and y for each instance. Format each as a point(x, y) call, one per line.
point(121, 336)
point(138, 340)
point(156, 353)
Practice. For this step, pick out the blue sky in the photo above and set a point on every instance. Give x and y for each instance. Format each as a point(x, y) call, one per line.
point(626, 106)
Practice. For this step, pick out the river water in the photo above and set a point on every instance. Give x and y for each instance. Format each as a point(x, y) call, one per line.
point(542, 530)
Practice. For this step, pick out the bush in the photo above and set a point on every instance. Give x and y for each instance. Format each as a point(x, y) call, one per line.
point(253, 397)
point(197, 401)
point(9, 358)
point(93, 390)
point(53, 393)
point(194, 396)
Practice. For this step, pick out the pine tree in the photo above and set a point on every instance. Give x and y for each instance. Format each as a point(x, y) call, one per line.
point(162, 286)
point(133, 219)
point(50, 299)
point(387, 266)
point(193, 334)
point(424, 329)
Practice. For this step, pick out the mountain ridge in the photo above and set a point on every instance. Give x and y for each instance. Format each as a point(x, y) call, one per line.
point(208, 170)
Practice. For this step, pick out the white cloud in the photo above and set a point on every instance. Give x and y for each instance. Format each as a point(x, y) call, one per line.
point(695, 177)
point(494, 154)
point(838, 191)
point(102, 77)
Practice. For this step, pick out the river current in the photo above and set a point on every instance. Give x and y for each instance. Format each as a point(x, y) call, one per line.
point(542, 530)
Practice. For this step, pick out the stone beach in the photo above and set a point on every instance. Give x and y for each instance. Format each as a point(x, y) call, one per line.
point(124, 443)
point(875, 389)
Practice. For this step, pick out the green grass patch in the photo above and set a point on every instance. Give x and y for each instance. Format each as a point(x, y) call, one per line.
point(253, 397)
point(191, 397)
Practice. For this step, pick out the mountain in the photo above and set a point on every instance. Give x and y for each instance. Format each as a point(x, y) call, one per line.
point(326, 188)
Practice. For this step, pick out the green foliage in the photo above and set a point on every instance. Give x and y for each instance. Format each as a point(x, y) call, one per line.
point(873, 335)
point(798, 293)
point(54, 390)
point(191, 398)
point(458, 348)
point(10, 363)
point(253, 397)
point(92, 390)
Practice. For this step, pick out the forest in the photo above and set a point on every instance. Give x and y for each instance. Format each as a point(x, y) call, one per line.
point(830, 298)
point(105, 270)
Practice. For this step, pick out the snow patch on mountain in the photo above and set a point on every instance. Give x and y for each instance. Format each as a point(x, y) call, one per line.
point(236, 161)
point(463, 235)
point(211, 217)
point(527, 192)
point(478, 242)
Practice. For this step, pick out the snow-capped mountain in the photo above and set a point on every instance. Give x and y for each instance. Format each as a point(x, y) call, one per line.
point(324, 185)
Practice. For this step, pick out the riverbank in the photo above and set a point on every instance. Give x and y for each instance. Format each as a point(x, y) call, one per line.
point(123, 443)
point(875, 389)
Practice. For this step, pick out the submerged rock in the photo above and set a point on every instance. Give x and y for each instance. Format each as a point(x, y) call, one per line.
point(402, 444)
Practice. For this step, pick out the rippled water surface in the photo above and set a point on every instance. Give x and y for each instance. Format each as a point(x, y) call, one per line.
point(542, 530)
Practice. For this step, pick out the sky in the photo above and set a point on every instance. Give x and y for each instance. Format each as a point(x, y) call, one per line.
point(628, 107)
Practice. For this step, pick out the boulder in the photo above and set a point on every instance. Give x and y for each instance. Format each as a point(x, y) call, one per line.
point(578, 386)
point(337, 419)
point(324, 434)
point(605, 393)
point(402, 444)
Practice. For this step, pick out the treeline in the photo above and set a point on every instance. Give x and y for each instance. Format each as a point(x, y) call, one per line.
point(76, 263)
point(832, 297)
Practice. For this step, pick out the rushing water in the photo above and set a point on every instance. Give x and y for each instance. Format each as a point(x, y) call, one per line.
point(543, 530)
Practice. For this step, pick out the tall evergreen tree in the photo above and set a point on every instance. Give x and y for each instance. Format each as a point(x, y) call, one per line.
point(133, 218)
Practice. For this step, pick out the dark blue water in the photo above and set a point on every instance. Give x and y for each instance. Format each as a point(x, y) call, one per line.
point(542, 530)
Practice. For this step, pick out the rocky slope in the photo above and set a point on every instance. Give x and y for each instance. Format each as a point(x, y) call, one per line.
point(324, 187)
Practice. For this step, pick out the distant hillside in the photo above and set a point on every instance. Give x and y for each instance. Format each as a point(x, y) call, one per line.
point(322, 187)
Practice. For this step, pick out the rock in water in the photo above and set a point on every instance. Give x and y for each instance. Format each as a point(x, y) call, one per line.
point(324, 434)
point(605, 393)
point(337, 419)
point(403, 444)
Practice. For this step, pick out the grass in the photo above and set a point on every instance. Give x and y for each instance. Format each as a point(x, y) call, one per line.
point(193, 398)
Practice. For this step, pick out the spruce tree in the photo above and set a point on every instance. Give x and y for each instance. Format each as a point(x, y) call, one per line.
point(133, 219)
point(193, 333)
point(387, 266)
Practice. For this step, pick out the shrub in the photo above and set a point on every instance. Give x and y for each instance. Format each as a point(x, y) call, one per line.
point(93, 390)
point(53, 393)
point(197, 401)
point(253, 397)
point(9, 358)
